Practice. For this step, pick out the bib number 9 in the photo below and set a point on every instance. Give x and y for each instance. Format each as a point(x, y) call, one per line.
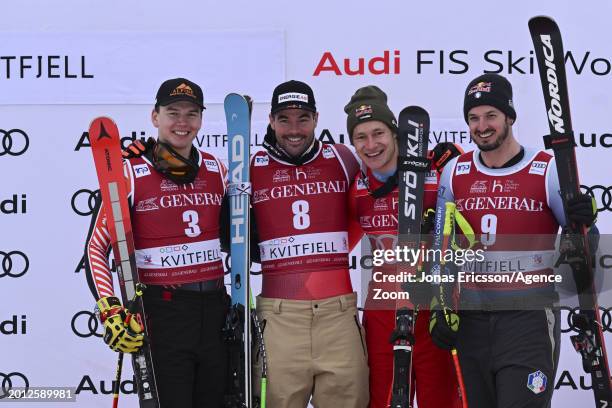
point(488, 226)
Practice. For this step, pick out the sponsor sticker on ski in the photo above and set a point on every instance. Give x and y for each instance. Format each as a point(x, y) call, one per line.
point(538, 167)
point(141, 170)
point(463, 168)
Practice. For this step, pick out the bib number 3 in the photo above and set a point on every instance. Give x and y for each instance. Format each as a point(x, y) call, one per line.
point(191, 218)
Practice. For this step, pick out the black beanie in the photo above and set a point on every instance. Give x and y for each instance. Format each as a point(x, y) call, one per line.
point(489, 89)
point(368, 103)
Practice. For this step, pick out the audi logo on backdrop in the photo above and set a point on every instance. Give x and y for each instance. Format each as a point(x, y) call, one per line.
point(602, 194)
point(83, 201)
point(604, 313)
point(12, 380)
point(86, 324)
point(13, 264)
point(14, 142)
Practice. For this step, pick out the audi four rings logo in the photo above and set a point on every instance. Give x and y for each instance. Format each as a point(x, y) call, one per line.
point(83, 201)
point(14, 142)
point(602, 194)
point(605, 315)
point(11, 380)
point(85, 324)
point(13, 264)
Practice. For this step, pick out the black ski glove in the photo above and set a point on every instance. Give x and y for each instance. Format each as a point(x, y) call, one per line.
point(582, 209)
point(137, 148)
point(443, 334)
point(443, 153)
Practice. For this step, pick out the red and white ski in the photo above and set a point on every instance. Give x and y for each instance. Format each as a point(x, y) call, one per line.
point(106, 149)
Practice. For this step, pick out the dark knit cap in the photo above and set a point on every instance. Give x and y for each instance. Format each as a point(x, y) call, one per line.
point(368, 103)
point(489, 89)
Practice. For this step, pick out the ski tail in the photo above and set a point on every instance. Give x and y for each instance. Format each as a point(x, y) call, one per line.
point(589, 341)
point(106, 148)
point(413, 133)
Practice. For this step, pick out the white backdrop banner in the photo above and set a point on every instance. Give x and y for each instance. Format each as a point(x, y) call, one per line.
point(126, 68)
point(60, 68)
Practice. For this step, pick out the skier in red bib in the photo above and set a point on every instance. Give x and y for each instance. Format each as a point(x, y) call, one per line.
point(372, 128)
point(175, 193)
point(508, 333)
point(314, 341)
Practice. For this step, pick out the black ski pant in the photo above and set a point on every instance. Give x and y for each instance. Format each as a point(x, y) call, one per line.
point(189, 353)
point(509, 358)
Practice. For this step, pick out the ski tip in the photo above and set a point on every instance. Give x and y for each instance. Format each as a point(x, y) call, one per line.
point(541, 22)
point(415, 112)
point(233, 97)
point(101, 127)
point(101, 119)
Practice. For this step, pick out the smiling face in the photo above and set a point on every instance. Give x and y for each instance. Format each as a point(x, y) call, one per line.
point(177, 125)
point(489, 127)
point(294, 129)
point(376, 146)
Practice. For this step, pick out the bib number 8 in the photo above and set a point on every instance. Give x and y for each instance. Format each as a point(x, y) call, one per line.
point(301, 219)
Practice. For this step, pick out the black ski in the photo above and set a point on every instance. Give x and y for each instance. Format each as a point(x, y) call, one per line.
point(413, 130)
point(589, 341)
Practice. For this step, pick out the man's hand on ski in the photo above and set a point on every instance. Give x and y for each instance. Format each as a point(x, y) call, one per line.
point(137, 148)
point(582, 209)
point(123, 331)
point(443, 325)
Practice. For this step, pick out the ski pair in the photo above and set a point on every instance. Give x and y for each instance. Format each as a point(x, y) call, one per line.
point(413, 140)
point(589, 341)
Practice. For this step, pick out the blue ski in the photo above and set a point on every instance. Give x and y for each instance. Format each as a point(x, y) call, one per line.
point(238, 119)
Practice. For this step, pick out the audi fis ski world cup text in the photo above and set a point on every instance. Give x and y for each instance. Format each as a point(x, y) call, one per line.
point(454, 62)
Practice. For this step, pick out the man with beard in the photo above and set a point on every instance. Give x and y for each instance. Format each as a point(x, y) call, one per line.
point(372, 129)
point(508, 336)
point(314, 342)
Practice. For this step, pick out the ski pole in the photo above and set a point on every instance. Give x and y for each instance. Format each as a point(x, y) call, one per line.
point(262, 352)
point(131, 309)
point(449, 222)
